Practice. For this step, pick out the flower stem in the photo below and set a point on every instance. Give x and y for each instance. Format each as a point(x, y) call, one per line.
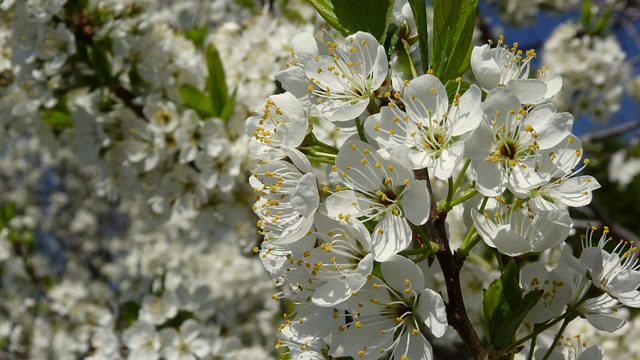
point(450, 191)
point(360, 129)
point(557, 337)
point(532, 347)
point(405, 47)
point(569, 315)
point(470, 240)
point(462, 172)
point(464, 197)
point(320, 159)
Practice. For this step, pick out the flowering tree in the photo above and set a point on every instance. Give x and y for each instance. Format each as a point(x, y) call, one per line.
point(413, 193)
point(353, 229)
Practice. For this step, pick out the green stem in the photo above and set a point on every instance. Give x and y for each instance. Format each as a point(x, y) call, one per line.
point(496, 253)
point(557, 337)
point(470, 240)
point(319, 144)
point(320, 159)
point(480, 261)
point(316, 153)
point(570, 314)
point(360, 130)
point(532, 347)
point(483, 205)
point(418, 251)
point(462, 172)
point(373, 107)
point(412, 66)
point(464, 197)
point(450, 191)
point(422, 258)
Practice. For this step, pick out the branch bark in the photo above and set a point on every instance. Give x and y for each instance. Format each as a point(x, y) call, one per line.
point(456, 310)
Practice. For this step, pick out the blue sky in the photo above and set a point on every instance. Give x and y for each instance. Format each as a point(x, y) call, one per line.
point(533, 36)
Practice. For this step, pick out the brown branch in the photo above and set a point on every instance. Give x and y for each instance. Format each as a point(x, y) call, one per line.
point(456, 311)
point(610, 132)
point(128, 99)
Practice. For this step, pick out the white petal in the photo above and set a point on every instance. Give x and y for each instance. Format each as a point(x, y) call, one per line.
point(448, 160)
point(424, 97)
point(468, 115)
point(341, 204)
point(529, 91)
point(432, 311)
point(500, 100)
point(305, 199)
point(551, 127)
point(478, 145)
point(305, 45)
point(390, 236)
point(510, 243)
point(605, 322)
point(576, 192)
point(331, 293)
point(398, 269)
point(357, 160)
point(417, 347)
point(294, 80)
point(415, 202)
point(484, 67)
point(490, 177)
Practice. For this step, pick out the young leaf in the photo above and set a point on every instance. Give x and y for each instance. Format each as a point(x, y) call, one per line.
point(325, 9)
point(452, 31)
point(504, 309)
point(371, 16)
point(197, 35)
point(229, 106)
point(101, 63)
point(196, 100)
point(452, 87)
point(419, 9)
point(216, 83)
point(57, 118)
point(585, 14)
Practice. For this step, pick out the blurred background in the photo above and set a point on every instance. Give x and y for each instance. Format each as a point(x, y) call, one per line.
point(126, 228)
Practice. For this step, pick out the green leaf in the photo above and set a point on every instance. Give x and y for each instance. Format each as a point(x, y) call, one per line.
point(57, 118)
point(249, 4)
point(466, 64)
point(101, 63)
point(602, 22)
point(452, 88)
point(138, 83)
point(9, 210)
point(196, 100)
point(507, 330)
point(229, 106)
point(371, 16)
point(503, 307)
point(216, 81)
point(585, 14)
point(129, 312)
point(197, 35)
point(325, 9)
point(391, 40)
point(452, 32)
point(419, 9)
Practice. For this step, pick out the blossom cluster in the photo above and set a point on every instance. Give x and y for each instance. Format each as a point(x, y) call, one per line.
point(601, 57)
point(118, 194)
point(347, 222)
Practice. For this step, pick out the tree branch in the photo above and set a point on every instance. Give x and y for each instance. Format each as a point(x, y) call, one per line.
point(456, 311)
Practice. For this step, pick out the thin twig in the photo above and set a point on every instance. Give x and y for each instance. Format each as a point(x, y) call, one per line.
point(602, 135)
